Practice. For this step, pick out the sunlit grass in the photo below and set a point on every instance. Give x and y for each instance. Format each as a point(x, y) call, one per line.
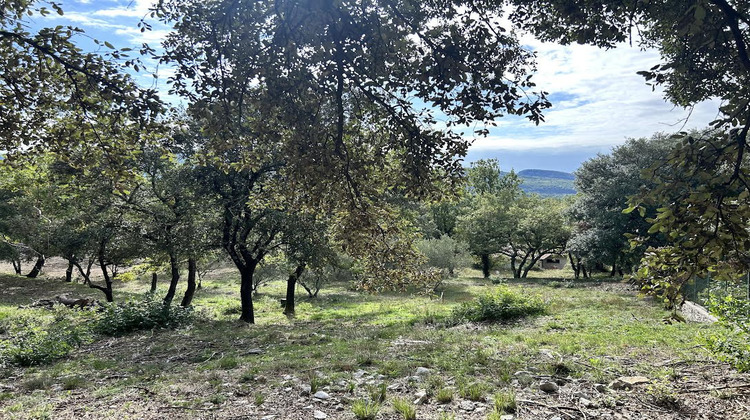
point(585, 331)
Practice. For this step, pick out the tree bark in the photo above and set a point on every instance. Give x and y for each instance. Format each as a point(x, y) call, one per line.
point(190, 291)
point(107, 290)
point(154, 278)
point(614, 269)
point(37, 267)
point(485, 265)
point(16, 266)
point(246, 294)
point(574, 265)
point(69, 272)
point(175, 278)
point(291, 284)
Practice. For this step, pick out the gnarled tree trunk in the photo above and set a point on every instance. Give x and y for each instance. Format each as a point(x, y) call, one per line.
point(175, 278)
point(37, 267)
point(187, 299)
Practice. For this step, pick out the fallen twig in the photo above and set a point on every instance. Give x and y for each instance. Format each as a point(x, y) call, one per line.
point(555, 407)
point(716, 388)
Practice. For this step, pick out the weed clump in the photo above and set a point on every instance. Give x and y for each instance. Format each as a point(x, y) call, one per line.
point(147, 314)
point(405, 408)
point(502, 306)
point(365, 410)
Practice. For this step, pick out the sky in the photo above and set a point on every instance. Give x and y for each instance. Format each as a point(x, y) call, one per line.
point(598, 99)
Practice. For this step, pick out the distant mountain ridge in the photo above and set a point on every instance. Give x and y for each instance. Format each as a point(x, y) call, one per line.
point(543, 173)
point(547, 183)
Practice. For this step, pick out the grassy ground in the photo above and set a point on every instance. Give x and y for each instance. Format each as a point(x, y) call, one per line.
point(351, 344)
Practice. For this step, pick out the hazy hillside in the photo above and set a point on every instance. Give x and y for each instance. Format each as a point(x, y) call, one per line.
point(542, 173)
point(547, 183)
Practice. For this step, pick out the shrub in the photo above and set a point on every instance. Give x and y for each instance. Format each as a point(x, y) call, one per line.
point(502, 306)
point(146, 314)
point(33, 344)
point(732, 345)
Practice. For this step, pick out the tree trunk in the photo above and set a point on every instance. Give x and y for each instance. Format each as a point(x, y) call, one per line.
point(586, 275)
point(37, 267)
point(154, 278)
point(529, 266)
point(614, 269)
point(246, 294)
point(291, 284)
point(574, 265)
point(485, 265)
point(190, 291)
point(16, 265)
point(107, 280)
point(175, 270)
point(69, 272)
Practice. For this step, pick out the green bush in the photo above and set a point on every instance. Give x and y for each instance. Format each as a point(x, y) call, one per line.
point(33, 343)
point(731, 345)
point(504, 305)
point(146, 314)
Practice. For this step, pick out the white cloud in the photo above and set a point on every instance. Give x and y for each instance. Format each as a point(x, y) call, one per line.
point(601, 101)
point(134, 8)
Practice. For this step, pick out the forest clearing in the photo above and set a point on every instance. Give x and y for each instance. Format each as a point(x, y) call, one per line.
point(383, 349)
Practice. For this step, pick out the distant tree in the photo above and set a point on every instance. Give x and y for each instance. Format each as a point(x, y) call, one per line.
point(538, 227)
point(705, 54)
point(445, 253)
point(602, 231)
point(486, 226)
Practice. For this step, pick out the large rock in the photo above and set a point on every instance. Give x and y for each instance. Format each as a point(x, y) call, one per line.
point(549, 387)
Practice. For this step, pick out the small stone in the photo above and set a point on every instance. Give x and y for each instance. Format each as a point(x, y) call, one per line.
point(319, 415)
point(322, 395)
point(549, 387)
point(339, 407)
point(601, 388)
point(420, 397)
point(268, 417)
point(555, 418)
point(585, 402)
point(466, 406)
point(507, 417)
point(422, 371)
point(359, 374)
point(308, 407)
point(305, 389)
point(415, 378)
point(254, 351)
point(287, 377)
point(394, 386)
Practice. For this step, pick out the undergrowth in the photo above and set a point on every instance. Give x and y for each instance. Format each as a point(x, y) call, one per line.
point(503, 305)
